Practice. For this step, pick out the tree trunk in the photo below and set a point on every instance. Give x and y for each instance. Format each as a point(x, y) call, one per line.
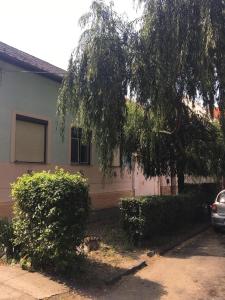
point(180, 176)
point(173, 187)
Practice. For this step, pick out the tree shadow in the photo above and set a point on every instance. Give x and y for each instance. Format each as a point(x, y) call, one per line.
point(209, 243)
point(90, 282)
point(168, 239)
point(135, 288)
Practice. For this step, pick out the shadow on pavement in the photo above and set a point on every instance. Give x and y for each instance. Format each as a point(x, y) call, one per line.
point(208, 243)
point(134, 289)
point(89, 284)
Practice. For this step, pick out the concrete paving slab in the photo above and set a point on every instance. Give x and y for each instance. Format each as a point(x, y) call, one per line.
point(20, 284)
point(7, 293)
point(9, 272)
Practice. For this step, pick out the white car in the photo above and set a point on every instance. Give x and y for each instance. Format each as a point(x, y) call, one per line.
point(218, 211)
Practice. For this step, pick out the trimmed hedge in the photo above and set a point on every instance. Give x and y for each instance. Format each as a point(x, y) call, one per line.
point(144, 217)
point(209, 190)
point(51, 211)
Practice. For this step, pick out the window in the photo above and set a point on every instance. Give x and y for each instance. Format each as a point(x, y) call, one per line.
point(116, 158)
point(30, 141)
point(80, 152)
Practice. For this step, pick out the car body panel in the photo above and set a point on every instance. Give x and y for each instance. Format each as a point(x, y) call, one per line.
point(218, 217)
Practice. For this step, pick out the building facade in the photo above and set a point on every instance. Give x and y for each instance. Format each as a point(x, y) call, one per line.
point(30, 140)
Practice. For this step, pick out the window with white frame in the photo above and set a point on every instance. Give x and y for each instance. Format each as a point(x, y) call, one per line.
point(80, 150)
point(30, 140)
point(116, 158)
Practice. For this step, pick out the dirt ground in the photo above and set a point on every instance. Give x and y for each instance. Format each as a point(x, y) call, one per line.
point(194, 270)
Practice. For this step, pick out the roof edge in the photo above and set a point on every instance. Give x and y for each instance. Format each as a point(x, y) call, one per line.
point(29, 67)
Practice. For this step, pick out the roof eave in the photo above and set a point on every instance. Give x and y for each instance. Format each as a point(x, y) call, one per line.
point(28, 67)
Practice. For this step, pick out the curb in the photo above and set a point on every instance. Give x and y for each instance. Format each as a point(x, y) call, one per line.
point(129, 271)
point(181, 241)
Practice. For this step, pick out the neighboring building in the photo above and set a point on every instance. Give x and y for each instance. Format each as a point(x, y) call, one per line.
point(29, 140)
point(196, 107)
point(216, 114)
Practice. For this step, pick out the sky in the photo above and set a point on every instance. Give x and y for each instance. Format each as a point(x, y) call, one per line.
point(48, 29)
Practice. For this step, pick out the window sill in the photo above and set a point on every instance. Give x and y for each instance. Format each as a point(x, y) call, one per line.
point(80, 164)
point(29, 162)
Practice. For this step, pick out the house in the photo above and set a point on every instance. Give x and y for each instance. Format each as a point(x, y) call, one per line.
point(30, 141)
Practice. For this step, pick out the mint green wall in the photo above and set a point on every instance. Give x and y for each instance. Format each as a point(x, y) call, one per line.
point(29, 93)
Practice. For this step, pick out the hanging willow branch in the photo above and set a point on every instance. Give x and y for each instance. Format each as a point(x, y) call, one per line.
point(178, 51)
point(95, 87)
point(193, 149)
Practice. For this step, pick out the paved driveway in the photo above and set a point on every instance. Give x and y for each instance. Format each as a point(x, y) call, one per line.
point(196, 270)
point(17, 284)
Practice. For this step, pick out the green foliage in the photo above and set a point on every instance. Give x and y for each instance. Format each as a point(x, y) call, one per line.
point(180, 51)
point(147, 216)
point(207, 190)
point(6, 238)
point(177, 53)
point(194, 148)
point(51, 211)
point(95, 86)
point(218, 157)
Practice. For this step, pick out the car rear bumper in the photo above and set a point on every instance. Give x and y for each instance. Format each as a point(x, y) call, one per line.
point(218, 220)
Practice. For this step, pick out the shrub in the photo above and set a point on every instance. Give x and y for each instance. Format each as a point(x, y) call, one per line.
point(207, 190)
point(144, 217)
point(6, 238)
point(51, 211)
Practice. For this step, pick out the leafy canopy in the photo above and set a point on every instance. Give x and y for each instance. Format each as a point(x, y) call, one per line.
point(96, 83)
point(180, 52)
point(196, 148)
point(177, 52)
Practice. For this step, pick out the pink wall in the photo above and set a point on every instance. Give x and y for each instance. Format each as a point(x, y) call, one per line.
point(104, 193)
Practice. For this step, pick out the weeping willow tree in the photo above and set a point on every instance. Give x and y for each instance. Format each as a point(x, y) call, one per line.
point(196, 149)
point(96, 84)
point(178, 52)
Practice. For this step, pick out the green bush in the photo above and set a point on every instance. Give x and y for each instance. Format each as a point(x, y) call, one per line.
point(6, 238)
point(50, 214)
point(144, 217)
point(207, 190)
